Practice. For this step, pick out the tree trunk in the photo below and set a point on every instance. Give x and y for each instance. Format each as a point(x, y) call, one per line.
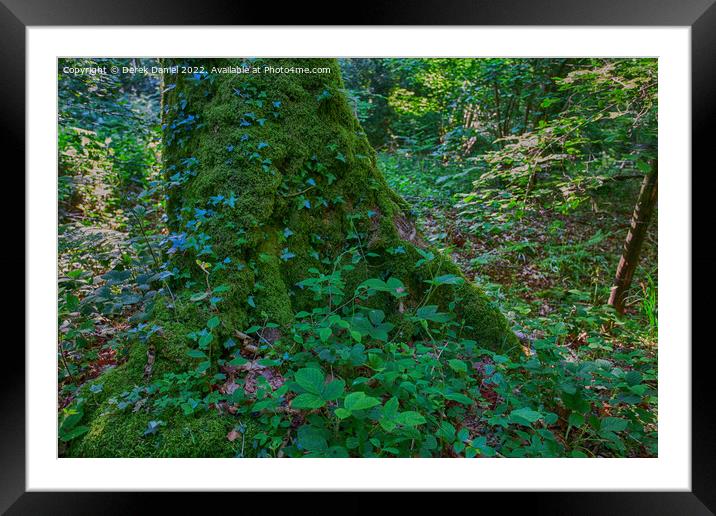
point(273, 178)
point(645, 204)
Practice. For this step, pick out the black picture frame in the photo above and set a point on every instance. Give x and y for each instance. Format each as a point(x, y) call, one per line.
point(700, 15)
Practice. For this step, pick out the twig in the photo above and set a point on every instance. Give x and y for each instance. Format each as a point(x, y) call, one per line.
point(151, 355)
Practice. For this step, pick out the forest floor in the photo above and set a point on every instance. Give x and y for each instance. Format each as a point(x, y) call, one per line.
point(549, 273)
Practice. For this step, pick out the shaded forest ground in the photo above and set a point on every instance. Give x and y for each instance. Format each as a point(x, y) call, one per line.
point(548, 272)
point(544, 268)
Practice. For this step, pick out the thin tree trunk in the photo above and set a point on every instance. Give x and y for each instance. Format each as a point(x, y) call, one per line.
point(640, 219)
point(497, 110)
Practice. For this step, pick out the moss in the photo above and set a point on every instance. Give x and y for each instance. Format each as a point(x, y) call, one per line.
point(122, 435)
point(290, 148)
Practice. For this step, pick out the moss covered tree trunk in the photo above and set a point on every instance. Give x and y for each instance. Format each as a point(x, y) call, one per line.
point(274, 179)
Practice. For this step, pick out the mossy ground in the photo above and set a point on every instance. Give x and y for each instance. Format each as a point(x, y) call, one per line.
point(115, 433)
point(122, 435)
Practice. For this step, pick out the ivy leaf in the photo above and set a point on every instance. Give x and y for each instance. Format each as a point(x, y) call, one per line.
point(196, 353)
point(198, 296)
point(213, 323)
point(205, 340)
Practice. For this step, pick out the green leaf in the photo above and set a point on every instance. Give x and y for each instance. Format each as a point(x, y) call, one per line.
point(388, 424)
point(198, 296)
point(311, 439)
point(613, 424)
point(74, 433)
point(525, 416)
point(205, 340)
point(196, 353)
point(310, 379)
point(359, 401)
point(238, 361)
point(447, 279)
point(342, 413)
point(576, 419)
point(632, 378)
point(324, 333)
point(374, 283)
point(307, 401)
point(390, 410)
point(376, 316)
point(213, 323)
point(446, 431)
point(458, 365)
point(463, 435)
point(430, 313)
point(396, 287)
point(460, 398)
point(410, 418)
point(333, 390)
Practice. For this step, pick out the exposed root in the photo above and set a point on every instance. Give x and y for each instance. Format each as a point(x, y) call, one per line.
point(408, 231)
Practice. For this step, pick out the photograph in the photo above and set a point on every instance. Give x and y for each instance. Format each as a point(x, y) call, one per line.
point(357, 257)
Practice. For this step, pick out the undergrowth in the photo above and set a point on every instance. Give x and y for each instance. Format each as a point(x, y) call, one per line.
point(344, 381)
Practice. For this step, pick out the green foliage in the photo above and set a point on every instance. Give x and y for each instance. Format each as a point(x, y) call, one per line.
point(259, 302)
point(607, 128)
point(386, 398)
point(108, 138)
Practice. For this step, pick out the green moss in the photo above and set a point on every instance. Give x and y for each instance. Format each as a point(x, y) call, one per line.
point(290, 148)
point(122, 435)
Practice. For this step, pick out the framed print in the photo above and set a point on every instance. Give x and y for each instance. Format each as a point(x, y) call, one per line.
point(424, 252)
